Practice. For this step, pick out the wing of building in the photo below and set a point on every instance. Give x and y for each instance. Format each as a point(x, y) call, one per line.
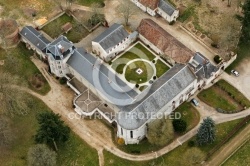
point(163, 43)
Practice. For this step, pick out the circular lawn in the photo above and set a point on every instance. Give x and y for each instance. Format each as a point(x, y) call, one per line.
point(139, 72)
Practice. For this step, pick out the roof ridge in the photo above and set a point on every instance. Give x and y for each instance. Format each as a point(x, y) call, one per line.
point(120, 26)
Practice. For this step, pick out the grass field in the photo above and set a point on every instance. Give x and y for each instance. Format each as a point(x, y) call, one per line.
point(24, 127)
point(53, 29)
point(241, 157)
point(161, 68)
point(225, 96)
point(18, 63)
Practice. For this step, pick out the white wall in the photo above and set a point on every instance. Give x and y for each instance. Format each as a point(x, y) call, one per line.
point(138, 134)
point(167, 17)
point(107, 56)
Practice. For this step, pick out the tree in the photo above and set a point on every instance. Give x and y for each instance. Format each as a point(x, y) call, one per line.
point(41, 155)
point(206, 132)
point(51, 129)
point(160, 131)
point(127, 9)
point(179, 125)
point(245, 37)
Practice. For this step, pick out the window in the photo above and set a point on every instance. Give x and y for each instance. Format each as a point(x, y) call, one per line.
point(121, 131)
point(131, 134)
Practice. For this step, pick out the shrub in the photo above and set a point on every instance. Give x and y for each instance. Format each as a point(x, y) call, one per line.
point(217, 59)
point(154, 77)
point(172, 23)
point(179, 125)
point(137, 85)
point(153, 61)
point(191, 143)
point(120, 141)
point(63, 80)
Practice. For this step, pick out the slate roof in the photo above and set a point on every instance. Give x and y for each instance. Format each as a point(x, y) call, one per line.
point(59, 47)
point(34, 37)
point(166, 7)
point(160, 93)
point(169, 45)
point(112, 36)
point(202, 66)
point(109, 86)
point(152, 4)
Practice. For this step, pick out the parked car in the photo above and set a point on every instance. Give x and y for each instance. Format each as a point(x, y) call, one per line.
point(195, 102)
point(235, 73)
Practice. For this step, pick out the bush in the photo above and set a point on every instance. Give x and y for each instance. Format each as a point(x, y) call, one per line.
point(217, 59)
point(154, 77)
point(63, 80)
point(137, 85)
point(191, 143)
point(120, 141)
point(172, 23)
point(179, 125)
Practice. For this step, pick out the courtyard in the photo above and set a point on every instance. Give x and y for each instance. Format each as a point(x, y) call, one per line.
point(139, 65)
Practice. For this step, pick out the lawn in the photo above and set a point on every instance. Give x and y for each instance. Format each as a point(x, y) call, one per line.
point(182, 155)
point(23, 129)
point(90, 2)
point(241, 157)
point(133, 77)
point(217, 98)
point(77, 32)
point(224, 96)
point(136, 52)
point(189, 114)
point(18, 63)
point(161, 68)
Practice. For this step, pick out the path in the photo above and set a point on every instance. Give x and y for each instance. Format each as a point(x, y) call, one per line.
point(230, 147)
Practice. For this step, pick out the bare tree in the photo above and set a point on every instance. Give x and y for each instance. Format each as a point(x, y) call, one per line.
point(160, 131)
point(127, 9)
point(40, 154)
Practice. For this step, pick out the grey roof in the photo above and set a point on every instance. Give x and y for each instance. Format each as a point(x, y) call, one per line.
point(109, 86)
point(60, 43)
point(159, 94)
point(112, 36)
point(166, 7)
point(34, 37)
point(202, 66)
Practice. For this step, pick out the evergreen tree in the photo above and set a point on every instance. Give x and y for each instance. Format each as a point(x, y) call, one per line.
point(246, 23)
point(51, 129)
point(206, 132)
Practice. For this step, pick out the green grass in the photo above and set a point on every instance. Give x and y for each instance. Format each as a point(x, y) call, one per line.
point(136, 52)
point(24, 128)
point(189, 12)
point(189, 114)
point(148, 54)
point(53, 29)
point(213, 97)
point(89, 2)
point(243, 53)
point(241, 157)
point(161, 68)
point(238, 96)
point(18, 63)
point(133, 77)
point(182, 155)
